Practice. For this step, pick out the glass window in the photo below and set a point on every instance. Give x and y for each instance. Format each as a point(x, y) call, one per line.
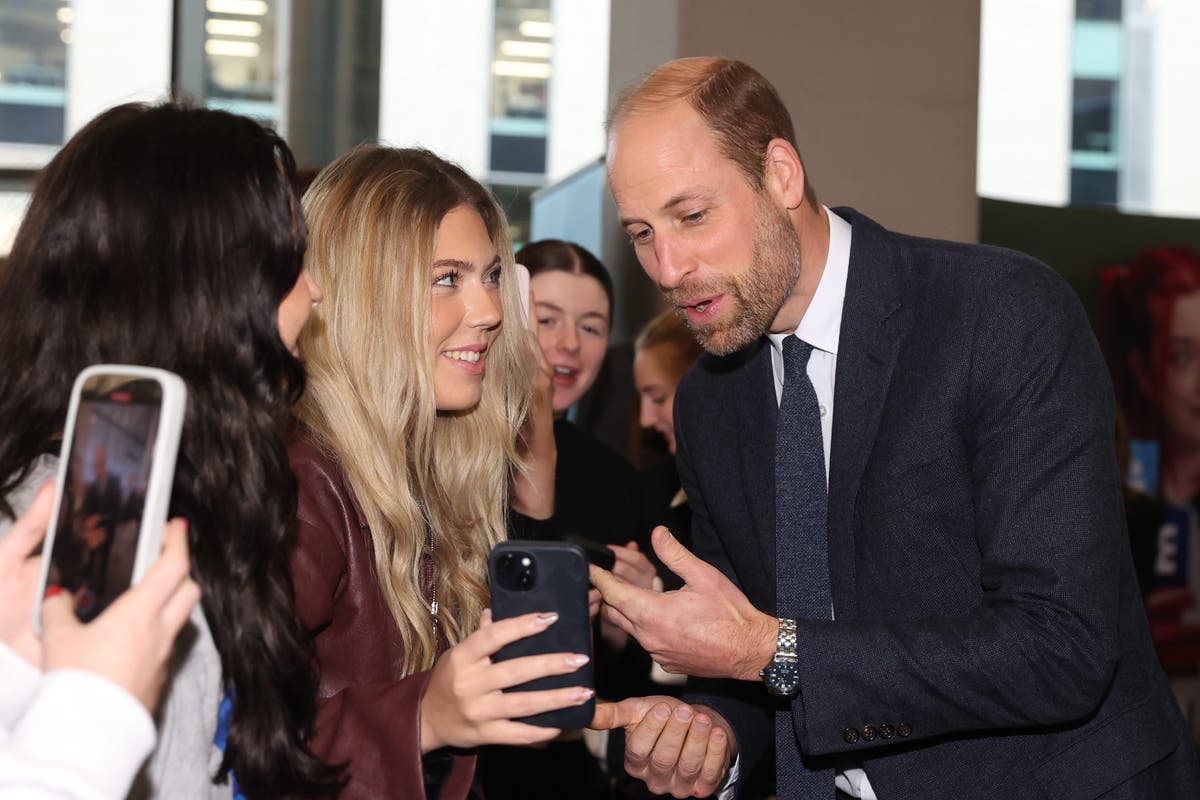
point(229, 55)
point(1091, 102)
point(239, 49)
point(1098, 9)
point(515, 200)
point(1093, 187)
point(1094, 128)
point(33, 70)
point(520, 78)
point(1096, 66)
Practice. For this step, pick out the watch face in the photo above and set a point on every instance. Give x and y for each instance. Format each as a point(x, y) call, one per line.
point(782, 678)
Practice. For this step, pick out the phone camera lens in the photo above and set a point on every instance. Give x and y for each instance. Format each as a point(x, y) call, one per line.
point(517, 572)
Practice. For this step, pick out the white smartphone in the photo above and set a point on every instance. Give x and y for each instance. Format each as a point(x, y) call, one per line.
point(114, 484)
point(523, 292)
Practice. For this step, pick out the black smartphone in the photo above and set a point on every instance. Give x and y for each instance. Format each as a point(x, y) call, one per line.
point(597, 554)
point(533, 576)
point(114, 484)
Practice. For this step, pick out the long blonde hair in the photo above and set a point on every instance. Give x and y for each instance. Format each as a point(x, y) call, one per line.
point(373, 218)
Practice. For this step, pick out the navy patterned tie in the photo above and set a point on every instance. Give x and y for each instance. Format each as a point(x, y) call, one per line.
point(801, 558)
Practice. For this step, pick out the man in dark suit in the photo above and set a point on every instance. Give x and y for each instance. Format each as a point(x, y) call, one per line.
point(952, 612)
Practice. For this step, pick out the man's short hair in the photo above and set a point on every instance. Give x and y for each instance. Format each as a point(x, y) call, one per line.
point(736, 102)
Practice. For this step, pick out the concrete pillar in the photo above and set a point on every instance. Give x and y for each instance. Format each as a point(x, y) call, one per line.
point(103, 70)
point(434, 78)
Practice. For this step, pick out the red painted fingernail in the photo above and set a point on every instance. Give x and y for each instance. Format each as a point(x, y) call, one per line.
point(53, 589)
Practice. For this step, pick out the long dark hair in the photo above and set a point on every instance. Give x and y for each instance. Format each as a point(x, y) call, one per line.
point(167, 236)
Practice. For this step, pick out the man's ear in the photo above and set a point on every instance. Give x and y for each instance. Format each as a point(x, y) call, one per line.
point(784, 174)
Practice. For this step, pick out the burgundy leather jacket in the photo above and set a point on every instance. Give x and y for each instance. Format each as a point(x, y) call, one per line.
point(367, 715)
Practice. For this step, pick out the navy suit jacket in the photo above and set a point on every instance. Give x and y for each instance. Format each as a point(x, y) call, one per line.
point(989, 638)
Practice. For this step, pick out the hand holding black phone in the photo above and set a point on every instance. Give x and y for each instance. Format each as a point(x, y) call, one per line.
point(531, 577)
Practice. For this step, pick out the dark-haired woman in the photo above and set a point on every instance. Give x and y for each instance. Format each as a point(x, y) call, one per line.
point(172, 237)
point(595, 488)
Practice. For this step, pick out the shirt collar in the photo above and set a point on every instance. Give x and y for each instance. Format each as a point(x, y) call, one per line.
point(822, 323)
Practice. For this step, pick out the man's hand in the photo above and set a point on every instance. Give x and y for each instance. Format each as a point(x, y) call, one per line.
point(708, 628)
point(677, 749)
point(634, 568)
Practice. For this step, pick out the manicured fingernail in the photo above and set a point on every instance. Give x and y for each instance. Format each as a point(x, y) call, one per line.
point(576, 661)
point(183, 521)
point(53, 589)
point(546, 619)
point(583, 695)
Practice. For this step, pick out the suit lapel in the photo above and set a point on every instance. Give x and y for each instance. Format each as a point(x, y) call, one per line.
point(755, 402)
point(871, 331)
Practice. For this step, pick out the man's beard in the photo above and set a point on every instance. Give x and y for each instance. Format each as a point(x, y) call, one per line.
point(756, 294)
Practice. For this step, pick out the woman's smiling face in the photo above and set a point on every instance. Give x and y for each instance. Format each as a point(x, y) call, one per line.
point(573, 319)
point(465, 311)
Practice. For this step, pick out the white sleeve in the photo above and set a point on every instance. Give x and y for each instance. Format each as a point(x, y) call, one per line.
point(19, 682)
point(82, 737)
point(729, 788)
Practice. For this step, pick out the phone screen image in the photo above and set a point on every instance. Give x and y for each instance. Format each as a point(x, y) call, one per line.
point(100, 513)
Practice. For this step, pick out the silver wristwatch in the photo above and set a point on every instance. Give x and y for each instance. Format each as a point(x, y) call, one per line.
point(781, 676)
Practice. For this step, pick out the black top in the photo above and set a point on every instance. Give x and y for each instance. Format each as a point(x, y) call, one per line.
point(597, 498)
point(596, 492)
point(660, 485)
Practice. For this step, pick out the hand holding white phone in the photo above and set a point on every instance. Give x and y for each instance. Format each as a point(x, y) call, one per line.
point(130, 642)
point(115, 474)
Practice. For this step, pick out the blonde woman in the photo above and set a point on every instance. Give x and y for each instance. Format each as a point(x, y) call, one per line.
point(406, 455)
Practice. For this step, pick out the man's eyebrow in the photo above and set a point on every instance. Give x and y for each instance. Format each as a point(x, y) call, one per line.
point(686, 196)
